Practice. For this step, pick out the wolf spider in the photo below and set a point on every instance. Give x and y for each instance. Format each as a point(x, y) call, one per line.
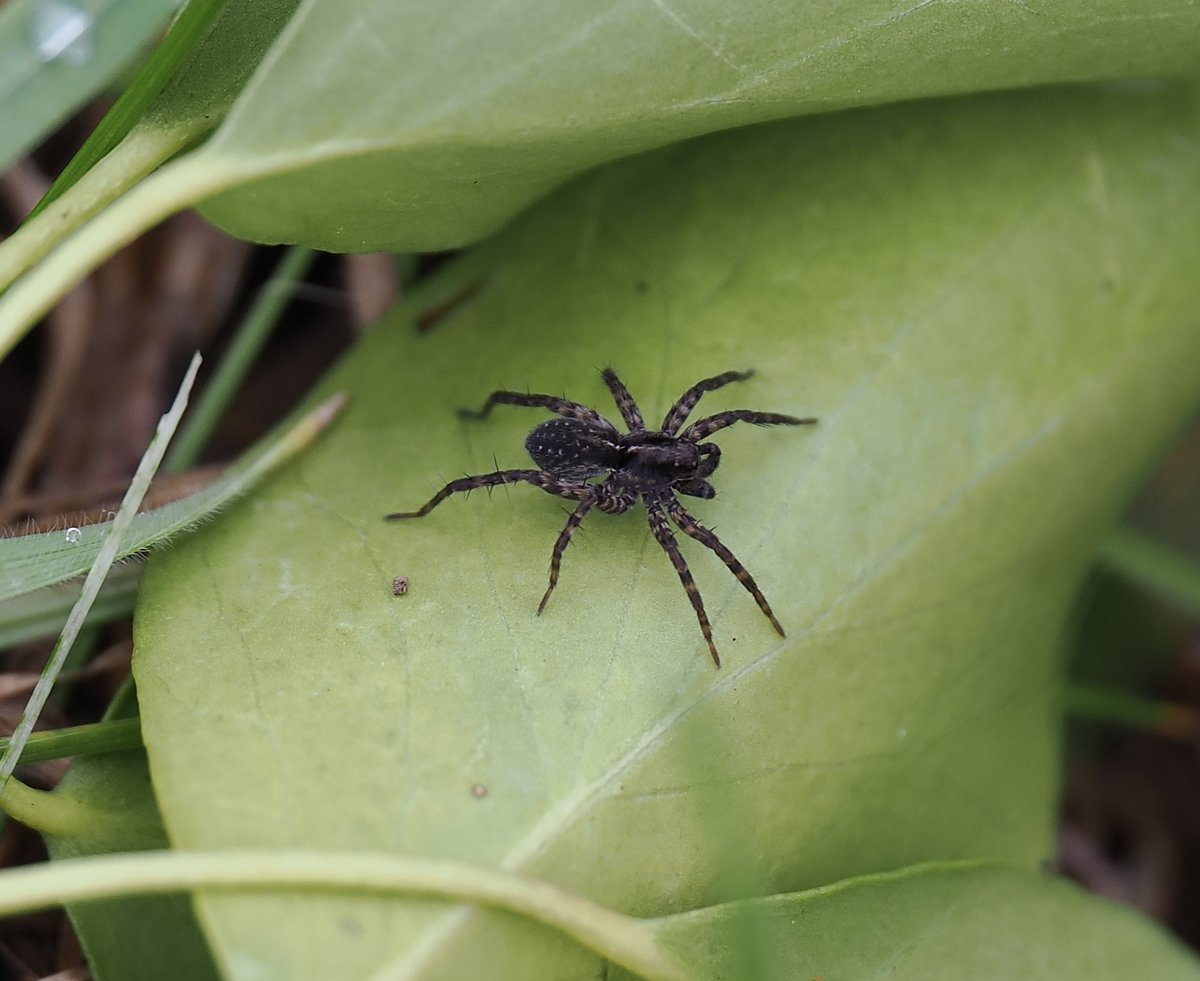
point(651, 464)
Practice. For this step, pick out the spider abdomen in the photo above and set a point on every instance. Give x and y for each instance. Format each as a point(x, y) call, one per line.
point(573, 448)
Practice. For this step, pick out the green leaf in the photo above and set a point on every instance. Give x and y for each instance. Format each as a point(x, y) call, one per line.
point(383, 126)
point(56, 54)
point(926, 923)
point(223, 61)
point(996, 333)
point(376, 125)
point(133, 938)
point(115, 537)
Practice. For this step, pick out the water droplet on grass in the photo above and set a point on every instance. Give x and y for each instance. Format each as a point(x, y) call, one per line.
point(61, 30)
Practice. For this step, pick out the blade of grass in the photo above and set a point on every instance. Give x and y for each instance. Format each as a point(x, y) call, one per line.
point(1109, 705)
point(181, 38)
point(1098, 704)
point(117, 530)
point(251, 335)
point(32, 561)
point(43, 612)
point(1163, 570)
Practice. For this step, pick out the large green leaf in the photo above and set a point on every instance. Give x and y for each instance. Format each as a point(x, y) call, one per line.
point(377, 124)
point(423, 126)
point(991, 306)
point(926, 923)
point(137, 938)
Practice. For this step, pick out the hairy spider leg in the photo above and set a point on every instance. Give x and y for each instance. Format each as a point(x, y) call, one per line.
point(564, 407)
point(692, 528)
point(551, 485)
point(560, 546)
point(710, 424)
point(662, 531)
point(629, 410)
point(687, 401)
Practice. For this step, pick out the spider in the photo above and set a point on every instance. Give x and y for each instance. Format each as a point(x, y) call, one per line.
point(651, 464)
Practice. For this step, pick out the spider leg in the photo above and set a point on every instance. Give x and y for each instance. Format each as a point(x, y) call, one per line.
point(687, 401)
point(629, 410)
point(662, 531)
point(710, 424)
point(692, 528)
point(560, 546)
point(564, 407)
point(551, 485)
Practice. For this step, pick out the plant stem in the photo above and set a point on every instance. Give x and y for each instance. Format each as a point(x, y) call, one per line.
point(85, 740)
point(623, 939)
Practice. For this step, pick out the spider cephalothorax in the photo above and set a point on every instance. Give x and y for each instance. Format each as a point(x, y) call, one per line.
point(582, 456)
